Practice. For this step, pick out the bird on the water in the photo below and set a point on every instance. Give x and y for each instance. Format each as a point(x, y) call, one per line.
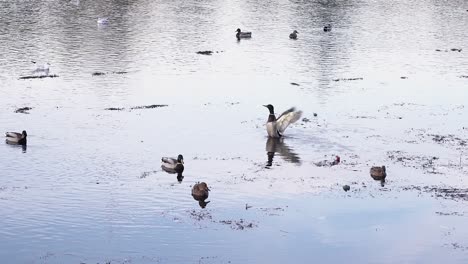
point(16, 138)
point(327, 28)
point(200, 192)
point(241, 34)
point(293, 35)
point(173, 165)
point(276, 126)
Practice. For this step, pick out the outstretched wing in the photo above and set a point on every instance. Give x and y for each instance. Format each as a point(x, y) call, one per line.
point(288, 117)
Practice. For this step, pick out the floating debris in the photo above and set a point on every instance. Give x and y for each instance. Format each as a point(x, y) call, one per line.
point(346, 188)
point(348, 79)
point(403, 77)
point(38, 77)
point(136, 107)
point(463, 76)
point(205, 52)
point(305, 120)
point(238, 225)
point(23, 110)
point(296, 84)
point(148, 106)
point(327, 163)
point(104, 73)
point(453, 49)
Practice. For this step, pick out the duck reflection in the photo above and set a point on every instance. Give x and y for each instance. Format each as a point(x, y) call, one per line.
point(276, 145)
point(24, 147)
point(180, 177)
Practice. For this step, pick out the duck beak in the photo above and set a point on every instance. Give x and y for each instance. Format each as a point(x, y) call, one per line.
point(265, 106)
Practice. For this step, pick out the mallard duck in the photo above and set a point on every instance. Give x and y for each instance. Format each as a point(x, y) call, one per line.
point(276, 126)
point(241, 34)
point(327, 28)
point(293, 35)
point(16, 138)
point(173, 165)
point(378, 173)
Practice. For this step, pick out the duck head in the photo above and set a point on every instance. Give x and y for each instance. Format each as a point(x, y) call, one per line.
point(238, 30)
point(270, 108)
point(24, 134)
point(180, 159)
point(295, 32)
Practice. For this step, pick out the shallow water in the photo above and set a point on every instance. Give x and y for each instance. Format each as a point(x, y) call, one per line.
point(89, 187)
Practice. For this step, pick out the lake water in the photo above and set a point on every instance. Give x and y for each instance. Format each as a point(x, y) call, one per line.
point(385, 84)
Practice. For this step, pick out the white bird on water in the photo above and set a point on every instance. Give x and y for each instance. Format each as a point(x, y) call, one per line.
point(276, 126)
point(41, 69)
point(103, 20)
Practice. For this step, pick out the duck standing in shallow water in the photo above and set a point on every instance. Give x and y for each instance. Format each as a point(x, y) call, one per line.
point(16, 138)
point(173, 165)
point(327, 28)
point(241, 34)
point(293, 35)
point(200, 192)
point(276, 126)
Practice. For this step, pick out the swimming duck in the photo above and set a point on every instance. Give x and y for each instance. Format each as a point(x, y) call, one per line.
point(378, 173)
point(241, 34)
point(293, 35)
point(173, 165)
point(276, 126)
point(200, 193)
point(16, 138)
point(327, 28)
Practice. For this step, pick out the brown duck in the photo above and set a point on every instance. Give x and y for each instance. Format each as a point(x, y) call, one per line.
point(200, 193)
point(378, 173)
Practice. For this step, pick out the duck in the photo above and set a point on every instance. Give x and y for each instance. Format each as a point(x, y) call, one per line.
point(173, 165)
point(276, 126)
point(16, 138)
point(327, 28)
point(103, 20)
point(241, 34)
point(293, 35)
point(200, 191)
point(378, 173)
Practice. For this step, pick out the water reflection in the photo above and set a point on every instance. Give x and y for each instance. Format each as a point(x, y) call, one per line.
point(24, 147)
point(277, 145)
point(179, 177)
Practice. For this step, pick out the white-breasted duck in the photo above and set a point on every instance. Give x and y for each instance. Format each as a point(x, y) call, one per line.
point(327, 28)
point(276, 126)
point(293, 35)
point(241, 34)
point(16, 138)
point(173, 165)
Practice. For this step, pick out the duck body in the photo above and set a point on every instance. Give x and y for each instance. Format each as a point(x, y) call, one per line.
point(276, 126)
point(173, 165)
point(293, 35)
point(200, 191)
point(378, 173)
point(241, 34)
point(327, 28)
point(16, 138)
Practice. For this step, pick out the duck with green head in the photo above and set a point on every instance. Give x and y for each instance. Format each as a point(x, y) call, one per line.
point(173, 165)
point(16, 138)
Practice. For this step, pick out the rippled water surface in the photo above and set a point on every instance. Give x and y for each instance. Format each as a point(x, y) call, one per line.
point(385, 86)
